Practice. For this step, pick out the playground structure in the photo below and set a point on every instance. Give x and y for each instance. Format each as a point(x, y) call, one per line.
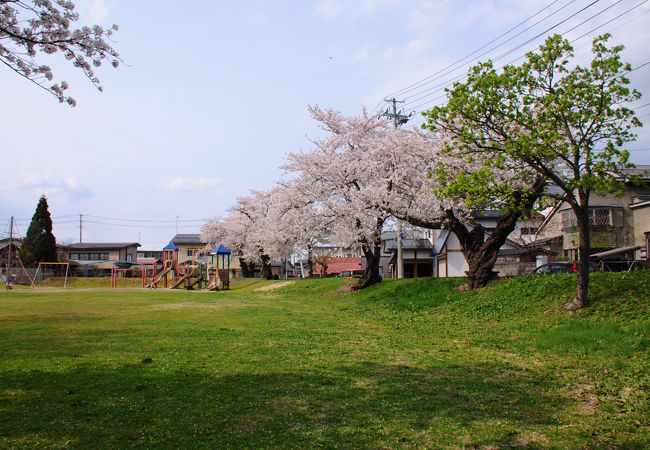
point(122, 274)
point(207, 276)
point(12, 270)
point(218, 275)
point(192, 271)
point(51, 270)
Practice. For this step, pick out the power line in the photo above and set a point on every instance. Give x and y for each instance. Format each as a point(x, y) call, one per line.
point(139, 226)
point(449, 82)
point(446, 69)
point(512, 50)
point(145, 220)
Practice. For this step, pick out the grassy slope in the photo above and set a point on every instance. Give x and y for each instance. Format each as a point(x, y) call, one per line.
point(413, 363)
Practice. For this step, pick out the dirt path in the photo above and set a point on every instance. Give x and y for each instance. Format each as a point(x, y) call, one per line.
point(270, 287)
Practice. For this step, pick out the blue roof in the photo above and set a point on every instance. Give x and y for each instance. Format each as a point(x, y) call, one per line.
point(221, 250)
point(170, 246)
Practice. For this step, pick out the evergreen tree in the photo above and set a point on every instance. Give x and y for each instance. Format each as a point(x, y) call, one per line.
point(39, 244)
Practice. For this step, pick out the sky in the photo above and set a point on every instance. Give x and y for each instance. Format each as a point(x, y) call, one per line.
point(210, 99)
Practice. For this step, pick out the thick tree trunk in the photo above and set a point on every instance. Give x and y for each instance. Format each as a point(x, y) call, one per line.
point(266, 267)
point(371, 272)
point(245, 270)
point(372, 251)
point(584, 251)
point(481, 253)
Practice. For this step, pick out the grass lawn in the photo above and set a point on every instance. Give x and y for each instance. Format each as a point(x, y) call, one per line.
point(409, 363)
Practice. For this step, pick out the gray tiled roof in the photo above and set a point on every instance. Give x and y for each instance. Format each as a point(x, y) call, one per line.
point(409, 244)
point(187, 238)
point(100, 245)
point(439, 244)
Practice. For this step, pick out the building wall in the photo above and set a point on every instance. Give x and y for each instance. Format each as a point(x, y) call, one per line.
point(188, 253)
point(123, 254)
point(337, 252)
point(641, 220)
point(456, 264)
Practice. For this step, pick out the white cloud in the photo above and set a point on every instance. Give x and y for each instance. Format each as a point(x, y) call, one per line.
point(329, 8)
point(94, 11)
point(192, 184)
point(417, 46)
point(45, 182)
point(354, 9)
point(362, 54)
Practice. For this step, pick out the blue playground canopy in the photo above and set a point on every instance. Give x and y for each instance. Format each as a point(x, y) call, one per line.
point(170, 246)
point(221, 250)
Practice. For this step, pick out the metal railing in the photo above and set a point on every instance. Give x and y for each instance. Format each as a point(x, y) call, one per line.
point(598, 217)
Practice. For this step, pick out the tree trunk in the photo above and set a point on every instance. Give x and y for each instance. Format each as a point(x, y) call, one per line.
point(372, 252)
point(584, 251)
point(266, 267)
point(245, 270)
point(481, 253)
point(371, 272)
point(310, 261)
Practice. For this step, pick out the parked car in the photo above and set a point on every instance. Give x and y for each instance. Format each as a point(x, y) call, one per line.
point(354, 273)
point(561, 267)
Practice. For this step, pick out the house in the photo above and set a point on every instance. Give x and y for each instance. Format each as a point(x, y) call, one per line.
point(438, 253)
point(100, 255)
point(616, 222)
point(156, 254)
point(326, 250)
point(191, 249)
point(336, 257)
point(334, 266)
point(417, 254)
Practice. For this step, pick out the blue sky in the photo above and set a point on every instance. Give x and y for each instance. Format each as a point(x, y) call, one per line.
point(210, 99)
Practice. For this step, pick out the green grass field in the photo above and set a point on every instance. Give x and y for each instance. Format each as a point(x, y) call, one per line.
point(405, 364)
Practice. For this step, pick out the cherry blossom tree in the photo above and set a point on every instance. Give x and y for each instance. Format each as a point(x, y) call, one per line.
point(30, 27)
point(334, 176)
point(245, 231)
point(230, 232)
point(294, 223)
point(422, 183)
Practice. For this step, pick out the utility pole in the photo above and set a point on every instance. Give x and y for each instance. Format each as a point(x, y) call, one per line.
point(80, 227)
point(11, 249)
point(398, 119)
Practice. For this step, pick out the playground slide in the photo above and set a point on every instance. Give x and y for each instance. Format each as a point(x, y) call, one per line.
point(193, 272)
point(159, 277)
point(212, 285)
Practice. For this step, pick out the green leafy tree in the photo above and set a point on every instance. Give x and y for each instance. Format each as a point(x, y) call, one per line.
point(567, 124)
point(39, 244)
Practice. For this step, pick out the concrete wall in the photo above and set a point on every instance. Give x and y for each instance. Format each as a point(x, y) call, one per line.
point(514, 269)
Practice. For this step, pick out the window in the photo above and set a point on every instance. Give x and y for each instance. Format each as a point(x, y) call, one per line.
point(89, 256)
point(190, 252)
point(529, 230)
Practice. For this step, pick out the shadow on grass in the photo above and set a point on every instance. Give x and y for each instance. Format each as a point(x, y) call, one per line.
point(354, 405)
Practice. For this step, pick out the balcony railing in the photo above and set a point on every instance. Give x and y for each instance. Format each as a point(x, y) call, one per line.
point(601, 216)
